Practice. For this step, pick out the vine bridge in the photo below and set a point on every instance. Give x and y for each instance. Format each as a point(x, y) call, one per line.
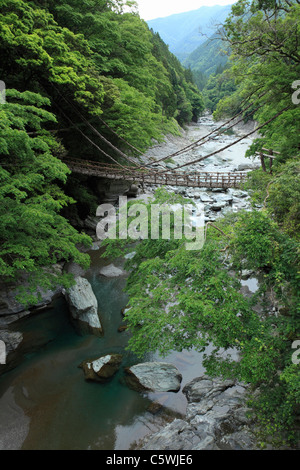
point(144, 173)
point(146, 176)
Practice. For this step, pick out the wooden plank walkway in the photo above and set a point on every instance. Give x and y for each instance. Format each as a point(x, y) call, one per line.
point(160, 178)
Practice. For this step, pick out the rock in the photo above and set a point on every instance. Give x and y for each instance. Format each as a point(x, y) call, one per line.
point(218, 206)
point(246, 274)
point(130, 255)
point(11, 339)
point(177, 435)
point(133, 190)
point(227, 198)
point(245, 166)
point(125, 310)
point(11, 310)
point(110, 190)
point(6, 320)
point(83, 306)
point(111, 271)
point(102, 368)
point(10, 344)
point(91, 223)
point(154, 376)
point(218, 190)
point(215, 420)
point(239, 193)
point(122, 328)
point(171, 166)
point(206, 198)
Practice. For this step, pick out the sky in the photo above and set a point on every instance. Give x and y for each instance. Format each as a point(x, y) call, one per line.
point(150, 9)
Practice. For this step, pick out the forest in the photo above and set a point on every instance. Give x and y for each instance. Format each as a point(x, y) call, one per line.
point(260, 78)
point(71, 66)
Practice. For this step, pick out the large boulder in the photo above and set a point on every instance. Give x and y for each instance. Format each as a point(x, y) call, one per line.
point(83, 306)
point(154, 376)
point(206, 198)
point(11, 339)
point(218, 206)
point(10, 345)
point(102, 368)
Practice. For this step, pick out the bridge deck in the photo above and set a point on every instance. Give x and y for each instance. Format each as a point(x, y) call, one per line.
point(161, 178)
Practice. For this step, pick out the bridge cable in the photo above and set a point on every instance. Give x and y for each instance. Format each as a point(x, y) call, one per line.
point(195, 144)
point(87, 138)
point(121, 138)
point(237, 141)
point(97, 132)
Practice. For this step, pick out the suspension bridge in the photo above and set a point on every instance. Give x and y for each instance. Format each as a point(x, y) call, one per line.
point(136, 172)
point(160, 178)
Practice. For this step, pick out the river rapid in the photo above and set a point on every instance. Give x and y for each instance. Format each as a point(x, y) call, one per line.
point(45, 402)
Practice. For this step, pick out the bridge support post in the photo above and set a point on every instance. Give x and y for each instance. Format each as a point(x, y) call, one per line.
point(262, 159)
point(271, 162)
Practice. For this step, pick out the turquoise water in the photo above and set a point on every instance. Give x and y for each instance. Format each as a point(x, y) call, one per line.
point(46, 403)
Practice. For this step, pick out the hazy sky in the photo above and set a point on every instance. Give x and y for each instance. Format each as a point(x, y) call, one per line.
point(150, 9)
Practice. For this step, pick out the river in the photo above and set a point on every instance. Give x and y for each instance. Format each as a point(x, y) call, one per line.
point(45, 401)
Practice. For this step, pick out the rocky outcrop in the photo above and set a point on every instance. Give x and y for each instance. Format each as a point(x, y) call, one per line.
point(102, 368)
point(83, 306)
point(154, 376)
point(11, 310)
point(215, 420)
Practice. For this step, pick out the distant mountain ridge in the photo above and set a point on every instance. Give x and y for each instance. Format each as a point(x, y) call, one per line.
point(184, 32)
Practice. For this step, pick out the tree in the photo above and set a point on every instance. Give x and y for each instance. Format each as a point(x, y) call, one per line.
point(264, 40)
point(34, 236)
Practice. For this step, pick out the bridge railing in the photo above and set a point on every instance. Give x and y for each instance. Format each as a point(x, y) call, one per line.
point(171, 178)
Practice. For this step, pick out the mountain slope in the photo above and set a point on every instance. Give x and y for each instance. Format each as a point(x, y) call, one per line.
point(184, 32)
point(208, 56)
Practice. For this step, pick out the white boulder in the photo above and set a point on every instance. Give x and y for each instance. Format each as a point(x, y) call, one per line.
point(83, 306)
point(154, 376)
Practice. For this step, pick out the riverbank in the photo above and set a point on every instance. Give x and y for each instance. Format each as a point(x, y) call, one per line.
point(46, 392)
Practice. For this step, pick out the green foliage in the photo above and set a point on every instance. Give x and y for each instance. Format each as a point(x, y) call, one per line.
point(73, 61)
point(218, 87)
point(37, 51)
point(284, 198)
point(128, 56)
point(71, 58)
point(265, 63)
point(184, 299)
point(34, 236)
